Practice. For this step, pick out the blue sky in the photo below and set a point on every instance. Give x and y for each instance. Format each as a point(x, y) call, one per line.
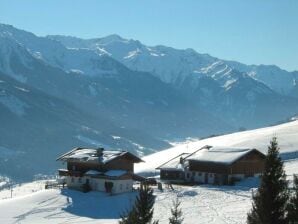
point(249, 31)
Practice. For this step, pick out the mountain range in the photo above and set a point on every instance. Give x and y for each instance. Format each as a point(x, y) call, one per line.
point(58, 92)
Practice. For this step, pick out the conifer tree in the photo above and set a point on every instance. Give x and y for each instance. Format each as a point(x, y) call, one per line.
point(293, 203)
point(270, 201)
point(176, 213)
point(142, 211)
point(129, 217)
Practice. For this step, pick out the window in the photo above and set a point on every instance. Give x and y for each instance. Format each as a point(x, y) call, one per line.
point(210, 175)
point(193, 174)
point(127, 186)
point(120, 187)
point(72, 180)
point(200, 174)
point(80, 180)
point(73, 167)
point(187, 175)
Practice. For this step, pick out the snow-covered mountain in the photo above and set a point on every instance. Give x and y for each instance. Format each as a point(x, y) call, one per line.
point(210, 83)
point(36, 126)
point(91, 98)
point(174, 66)
point(122, 94)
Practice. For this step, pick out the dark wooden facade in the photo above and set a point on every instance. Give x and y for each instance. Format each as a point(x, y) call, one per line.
point(115, 164)
point(250, 164)
point(214, 171)
point(119, 161)
point(172, 174)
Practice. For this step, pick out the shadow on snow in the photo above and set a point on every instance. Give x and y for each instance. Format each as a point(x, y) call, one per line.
point(97, 205)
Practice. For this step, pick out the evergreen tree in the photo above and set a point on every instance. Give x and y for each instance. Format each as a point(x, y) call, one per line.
point(176, 213)
point(270, 201)
point(293, 203)
point(142, 211)
point(129, 217)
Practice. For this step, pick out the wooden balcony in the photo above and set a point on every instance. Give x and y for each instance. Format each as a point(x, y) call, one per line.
point(64, 172)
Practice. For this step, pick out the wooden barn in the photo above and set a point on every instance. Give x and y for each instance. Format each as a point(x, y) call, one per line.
point(99, 170)
point(173, 170)
point(213, 166)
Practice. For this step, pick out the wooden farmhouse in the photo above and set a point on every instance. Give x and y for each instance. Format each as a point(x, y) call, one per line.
point(213, 166)
point(99, 170)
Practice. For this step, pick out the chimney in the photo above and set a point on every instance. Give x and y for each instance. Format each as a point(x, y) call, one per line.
point(99, 151)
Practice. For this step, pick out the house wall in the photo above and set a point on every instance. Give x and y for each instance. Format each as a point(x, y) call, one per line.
point(171, 175)
point(249, 165)
point(120, 163)
point(199, 177)
point(207, 167)
point(75, 182)
point(216, 173)
point(98, 184)
point(83, 166)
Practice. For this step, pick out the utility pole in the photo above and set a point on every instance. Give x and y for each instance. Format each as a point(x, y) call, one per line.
point(11, 189)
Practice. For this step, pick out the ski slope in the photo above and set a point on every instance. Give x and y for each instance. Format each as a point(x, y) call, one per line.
point(287, 136)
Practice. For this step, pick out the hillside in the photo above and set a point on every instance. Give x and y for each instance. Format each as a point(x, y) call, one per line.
point(200, 204)
point(61, 92)
point(287, 135)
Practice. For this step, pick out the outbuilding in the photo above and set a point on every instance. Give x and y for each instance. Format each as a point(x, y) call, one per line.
point(213, 165)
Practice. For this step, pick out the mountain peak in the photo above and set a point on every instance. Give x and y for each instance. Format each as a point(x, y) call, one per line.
point(112, 38)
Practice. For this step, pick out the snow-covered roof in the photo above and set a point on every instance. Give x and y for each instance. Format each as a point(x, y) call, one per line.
point(98, 155)
point(220, 155)
point(115, 173)
point(174, 164)
point(93, 172)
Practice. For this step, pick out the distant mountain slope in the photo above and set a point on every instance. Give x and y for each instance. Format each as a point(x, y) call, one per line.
point(121, 94)
point(174, 66)
point(210, 83)
point(287, 136)
point(36, 127)
point(131, 99)
point(46, 107)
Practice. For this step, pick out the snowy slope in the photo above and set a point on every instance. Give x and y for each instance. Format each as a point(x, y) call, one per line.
point(203, 204)
point(287, 135)
point(200, 204)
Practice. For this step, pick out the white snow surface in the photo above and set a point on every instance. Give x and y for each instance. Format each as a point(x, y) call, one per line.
point(287, 136)
point(219, 155)
point(86, 154)
point(203, 204)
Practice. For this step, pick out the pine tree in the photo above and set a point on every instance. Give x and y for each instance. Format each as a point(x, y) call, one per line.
point(293, 203)
point(129, 217)
point(270, 201)
point(142, 211)
point(176, 213)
